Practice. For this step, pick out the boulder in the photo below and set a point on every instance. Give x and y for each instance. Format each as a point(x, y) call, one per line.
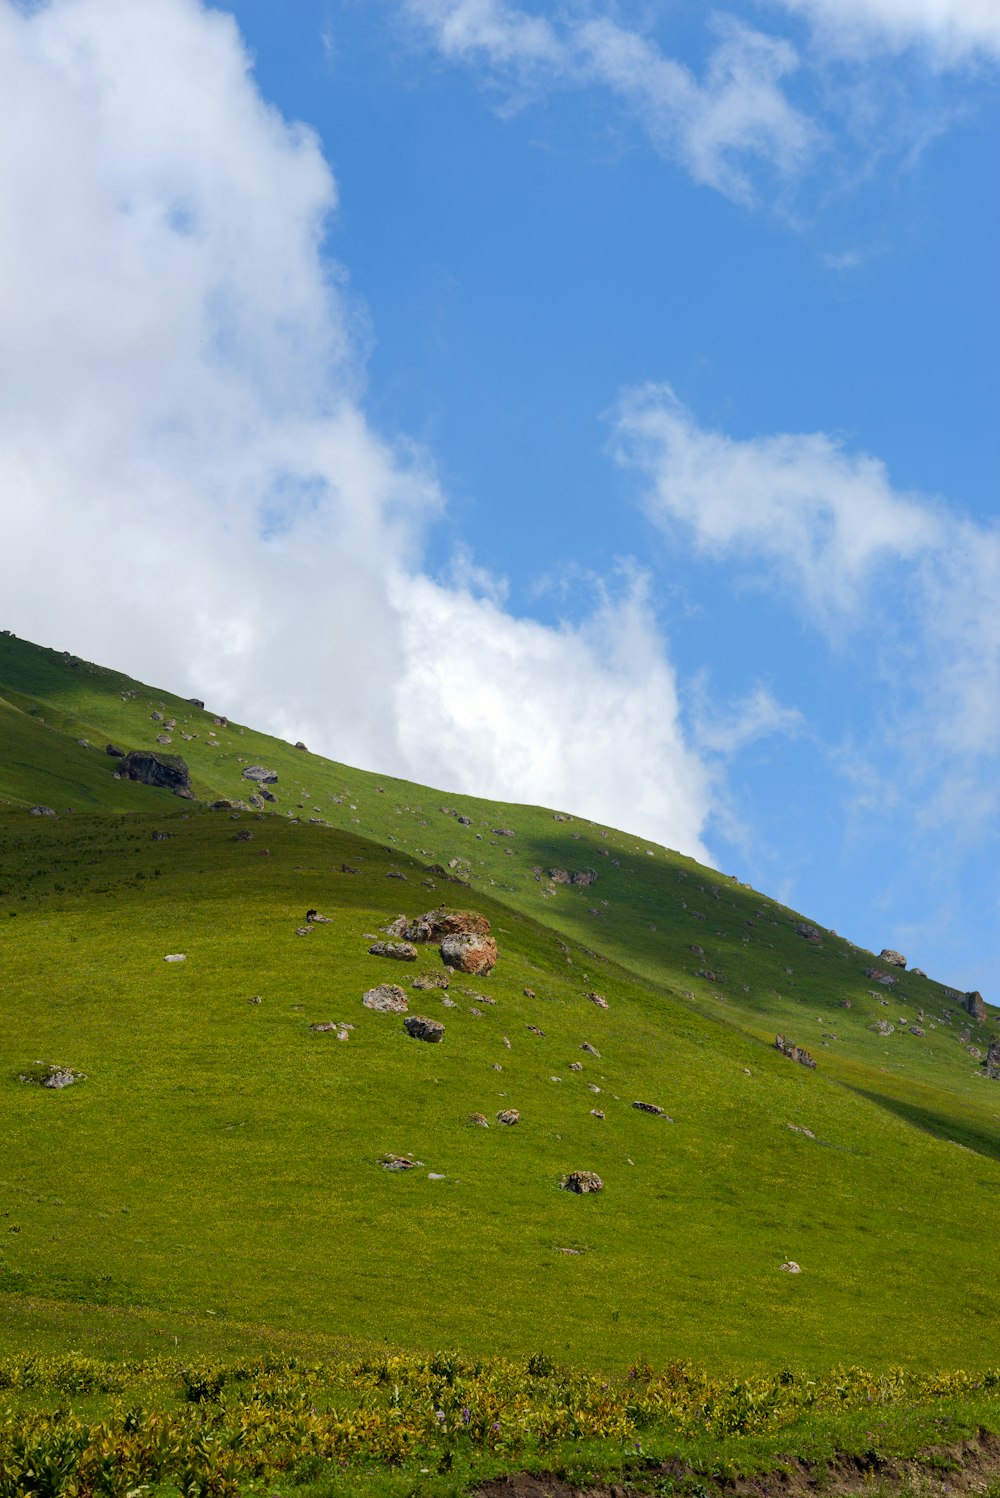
point(435, 925)
point(469, 953)
point(992, 1062)
point(583, 1182)
point(591, 1050)
point(559, 876)
point(168, 771)
point(387, 998)
point(509, 1116)
point(397, 1162)
point(882, 1027)
point(598, 999)
point(585, 878)
point(54, 1077)
point(197, 702)
point(400, 951)
point(790, 1267)
point(479, 1119)
point(114, 751)
point(793, 1052)
point(887, 980)
point(893, 958)
point(806, 931)
point(260, 775)
point(41, 811)
point(652, 1108)
point(419, 1027)
point(973, 1004)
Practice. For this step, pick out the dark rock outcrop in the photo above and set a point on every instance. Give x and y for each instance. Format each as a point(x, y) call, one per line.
point(878, 975)
point(168, 771)
point(419, 1027)
point(973, 1004)
point(992, 1062)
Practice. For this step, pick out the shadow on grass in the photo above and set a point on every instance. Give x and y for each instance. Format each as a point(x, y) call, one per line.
point(974, 1136)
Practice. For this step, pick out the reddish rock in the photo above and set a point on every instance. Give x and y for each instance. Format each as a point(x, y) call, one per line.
point(469, 953)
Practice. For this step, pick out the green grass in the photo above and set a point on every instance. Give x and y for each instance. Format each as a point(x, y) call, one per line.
point(216, 1178)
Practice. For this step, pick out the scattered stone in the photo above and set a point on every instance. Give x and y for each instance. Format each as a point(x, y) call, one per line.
point(508, 1116)
point(597, 1113)
point(480, 1120)
point(886, 979)
point(313, 918)
point(299, 745)
point(559, 876)
point(52, 1076)
point(652, 1108)
point(882, 1027)
point(535, 1031)
point(396, 874)
point(894, 959)
point(399, 951)
point(261, 775)
point(793, 1052)
point(847, 1003)
point(698, 951)
point(256, 999)
point(431, 980)
point(176, 957)
point(791, 1267)
point(469, 953)
point(168, 771)
point(591, 1050)
point(916, 1030)
point(529, 993)
point(387, 998)
point(801, 1129)
point(992, 1062)
point(41, 811)
point(303, 930)
point(156, 717)
point(114, 751)
point(807, 932)
point(164, 738)
point(419, 1027)
point(449, 1003)
point(346, 868)
point(323, 1027)
point(465, 821)
point(917, 972)
point(598, 999)
point(576, 1066)
point(585, 877)
point(221, 722)
point(583, 1182)
point(244, 836)
point(398, 1162)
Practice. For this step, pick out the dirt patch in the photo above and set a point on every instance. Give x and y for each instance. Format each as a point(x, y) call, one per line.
point(967, 1467)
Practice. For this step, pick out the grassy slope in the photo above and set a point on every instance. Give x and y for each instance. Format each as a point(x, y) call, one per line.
point(221, 1158)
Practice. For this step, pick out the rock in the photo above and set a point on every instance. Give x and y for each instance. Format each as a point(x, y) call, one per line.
point(221, 722)
point(465, 821)
point(652, 1108)
point(916, 1030)
point(299, 745)
point(244, 836)
point(807, 932)
point(801, 1129)
point(597, 1113)
point(882, 1027)
point(886, 979)
point(894, 958)
point(176, 957)
point(323, 1026)
point(973, 1004)
point(598, 999)
point(260, 775)
point(303, 931)
point(400, 951)
point(314, 918)
point(156, 717)
point(559, 876)
point(793, 1052)
point(847, 1003)
point(114, 751)
point(509, 1116)
point(529, 993)
point(502, 831)
point(698, 951)
point(583, 1182)
point(168, 771)
point(197, 702)
point(267, 795)
point(992, 1062)
point(164, 738)
point(53, 1076)
point(585, 878)
point(431, 980)
point(398, 1162)
point(917, 972)
point(41, 811)
point(435, 925)
point(591, 1050)
point(387, 998)
point(534, 1030)
point(469, 953)
point(419, 1027)
point(479, 1119)
point(160, 837)
point(220, 806)
point(576, 1066)
point(790, 1267)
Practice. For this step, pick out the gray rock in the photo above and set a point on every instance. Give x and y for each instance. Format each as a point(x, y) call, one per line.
point(168, 771)
point(882, 1027)
point(400, 951)
point(794, 1052)
point(509, 1116)
point(259, 774)
point(790, 1267)
point(652, 1108)
point(419, 1027)
point(41, 811)
point(598, 999)
point(583, 1182)
point(398, 1162)
point(893, 958)
point(387, 998)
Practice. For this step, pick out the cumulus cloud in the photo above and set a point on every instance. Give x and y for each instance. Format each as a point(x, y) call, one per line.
point(950, 30)
point(905, 587)
point(190, 488)
point(720, 127)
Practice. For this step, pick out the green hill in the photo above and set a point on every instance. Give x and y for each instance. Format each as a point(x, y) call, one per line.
point(216, 1173)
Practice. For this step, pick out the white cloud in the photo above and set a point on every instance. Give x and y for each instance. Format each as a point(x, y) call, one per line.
point(189, 488)
point(951, 30)
point(758, 715)
point(719, 128)
point(905, 587)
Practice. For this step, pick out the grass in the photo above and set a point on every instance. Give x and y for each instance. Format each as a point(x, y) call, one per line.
point(214, 1186)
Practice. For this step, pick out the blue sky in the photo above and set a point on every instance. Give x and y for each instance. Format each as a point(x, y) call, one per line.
point(591, 403)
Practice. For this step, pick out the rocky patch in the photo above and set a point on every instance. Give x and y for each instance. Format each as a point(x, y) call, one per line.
point(399, 951)
point(794, 1052)
point(261, 775)
point(387, 998)
point(892, 957)
point(879, 976)
point(419, 1027)
point(654, 1109)
point(52, 1076)
point(583, 1182)
point(882, 1027)
point(431, 980)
